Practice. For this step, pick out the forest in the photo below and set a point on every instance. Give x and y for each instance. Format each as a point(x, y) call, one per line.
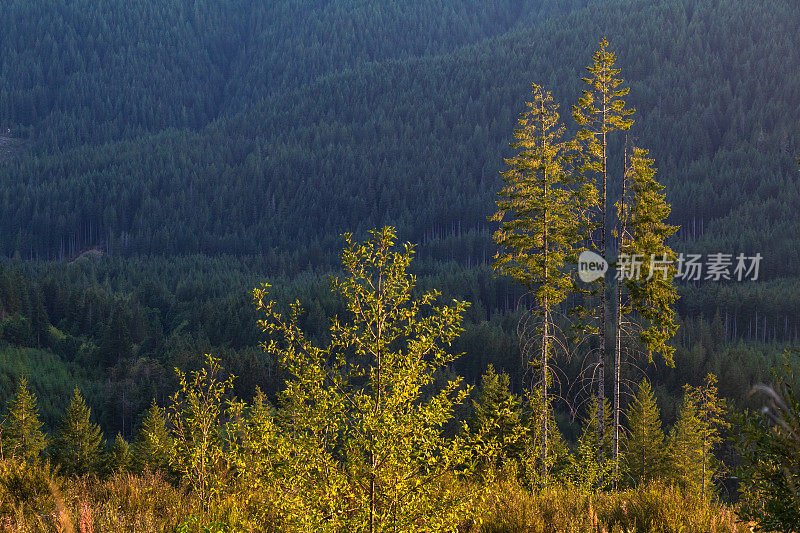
point(310, 265)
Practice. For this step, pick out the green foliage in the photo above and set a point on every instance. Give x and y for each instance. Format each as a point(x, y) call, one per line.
point(25, 489)
point(78, 444)
point(652, 292)
point(645, 453)
point(532, 470)
point(542, 208)
point(696, 435)
point(601, 109)
point(768, 443)
point(686, 448)
point(21, 430)
point(118, 458)
point(585, 471)
point(362, 443)
point(151, 447)
point(196, 416)
point(497, 414)
point(115, 344)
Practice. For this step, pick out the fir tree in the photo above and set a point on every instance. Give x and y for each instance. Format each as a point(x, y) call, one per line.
point(150, 448)
point(541, 210)
point(22, 435)
point(711, 415)
point(645, 451)
point(686, 448)
point(599, 112)
point(645, 269)
point(585, 471)
point(652, 292)
point(78, 445)
point(497, 414)
point(119, 457)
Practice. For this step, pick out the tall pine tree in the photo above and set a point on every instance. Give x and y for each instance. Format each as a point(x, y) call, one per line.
point(645, 270)
point(599, 112)
point(541, 211)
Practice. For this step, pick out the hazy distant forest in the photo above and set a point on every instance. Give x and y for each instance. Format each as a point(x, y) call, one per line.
point(176, 175)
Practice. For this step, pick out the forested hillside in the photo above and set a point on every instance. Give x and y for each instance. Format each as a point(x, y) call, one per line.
point(413, 141)
point(160, 160)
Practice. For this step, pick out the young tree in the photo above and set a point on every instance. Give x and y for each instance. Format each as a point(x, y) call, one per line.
point(197, 413)
point(711, 414)
point(119, 457)
point(361, 443)
point(78, 445)
point(646, 270)
point(686, 448)
point(22, 436)
point(542, 214)
point(599, 112)
point(557, 453)
point(645, 451)
point(150, 449)
point(496, 413)
point(585, 471)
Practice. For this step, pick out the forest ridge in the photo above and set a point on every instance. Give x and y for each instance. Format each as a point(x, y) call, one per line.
point(409, 188)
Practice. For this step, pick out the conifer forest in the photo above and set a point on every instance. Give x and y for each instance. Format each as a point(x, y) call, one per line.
point(378, 266)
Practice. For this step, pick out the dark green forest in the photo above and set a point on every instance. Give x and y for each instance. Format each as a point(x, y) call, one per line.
point(160, 160)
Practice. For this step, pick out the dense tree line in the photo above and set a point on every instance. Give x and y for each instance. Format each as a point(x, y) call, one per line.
point(360, 433)
point(365, 141)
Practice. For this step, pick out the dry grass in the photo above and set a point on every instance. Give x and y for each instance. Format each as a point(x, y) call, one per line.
point(563, 509)
point(34, 499)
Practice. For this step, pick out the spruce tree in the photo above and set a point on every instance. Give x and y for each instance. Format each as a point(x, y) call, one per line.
point(541, 210)
point(711, 411)
point(686, 448)
point(119, 457)
point(599, 112)
point(645, 451)
point(497, 414)
point(22, 436)
point(78, 444)
point(651, 292)
point(150, 448)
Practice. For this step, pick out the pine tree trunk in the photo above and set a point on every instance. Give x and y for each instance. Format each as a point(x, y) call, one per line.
point(618, 332)
point(545, 347)
point(546, 332)
point(617, 379)
point(601, 355)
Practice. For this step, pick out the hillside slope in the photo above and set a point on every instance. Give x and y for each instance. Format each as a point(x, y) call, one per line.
point(418, 142)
